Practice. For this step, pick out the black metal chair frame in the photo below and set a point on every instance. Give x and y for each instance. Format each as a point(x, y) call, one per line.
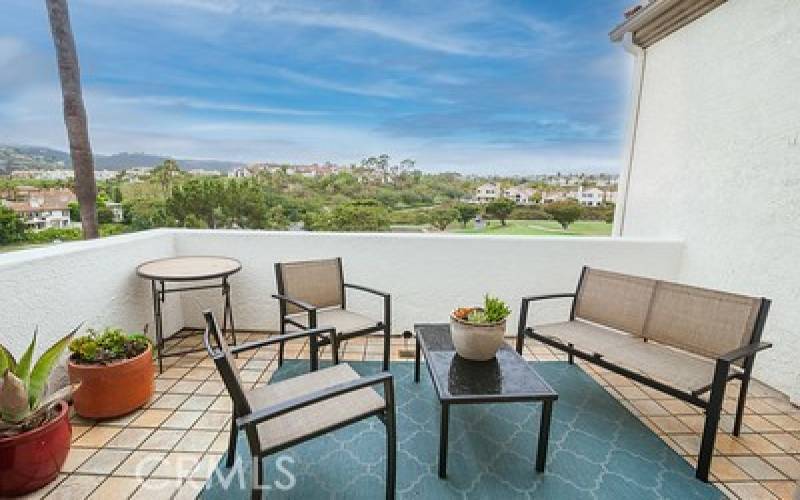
point(248, 419)
point(336, 338)
point(722, 372)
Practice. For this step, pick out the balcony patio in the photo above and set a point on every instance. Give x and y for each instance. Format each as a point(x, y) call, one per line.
point(170, 448)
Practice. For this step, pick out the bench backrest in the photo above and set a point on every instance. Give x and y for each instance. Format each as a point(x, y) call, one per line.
point(702, 321)
point(615, 300)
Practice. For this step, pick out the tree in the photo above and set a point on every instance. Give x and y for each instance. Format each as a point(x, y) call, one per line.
point(74, 115)
point(500, 209)
point(74, 211)
point(609, 217)
point(219, 202)
point(466, 212)
point(104, 214)
point(12, 228)
point(164, 174)
point(367, 215)
point(143, 213)
point(441, 217)
point(565, 212)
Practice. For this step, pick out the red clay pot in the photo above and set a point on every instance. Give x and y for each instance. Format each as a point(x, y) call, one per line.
point(31, 460)
point(115, 389)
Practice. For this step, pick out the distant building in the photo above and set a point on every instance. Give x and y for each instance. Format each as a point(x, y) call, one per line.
point(200, 172)
point(44, 175)
point(105, 175)
point(591, 197)
point(43, 209)
point(520, 195)
point(117, 213)
point(553, 196)
point(487, 192)
point(240, 173)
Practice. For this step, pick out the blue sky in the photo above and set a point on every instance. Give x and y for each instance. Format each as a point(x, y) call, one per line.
point(506, 87)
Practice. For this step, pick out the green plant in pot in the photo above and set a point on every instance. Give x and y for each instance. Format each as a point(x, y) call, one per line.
point(115, 370)
point(35, 433)
point(477, 332)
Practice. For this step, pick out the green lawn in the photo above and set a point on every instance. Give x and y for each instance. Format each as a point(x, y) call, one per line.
point(537, 228)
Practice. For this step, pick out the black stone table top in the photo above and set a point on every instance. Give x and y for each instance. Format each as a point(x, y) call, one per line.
point(507, 377)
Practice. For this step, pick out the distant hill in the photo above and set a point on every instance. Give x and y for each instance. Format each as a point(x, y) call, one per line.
point(14, 157)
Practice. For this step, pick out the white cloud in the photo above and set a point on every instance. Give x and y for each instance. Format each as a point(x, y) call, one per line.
point(206, 105)
point(386, 89)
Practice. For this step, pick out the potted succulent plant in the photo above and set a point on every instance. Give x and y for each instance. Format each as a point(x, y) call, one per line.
point(115, 370)
point(35, 432)
point(478, 331)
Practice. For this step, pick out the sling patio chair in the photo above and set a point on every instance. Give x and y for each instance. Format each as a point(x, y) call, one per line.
point(280, 415)
point(312, 293)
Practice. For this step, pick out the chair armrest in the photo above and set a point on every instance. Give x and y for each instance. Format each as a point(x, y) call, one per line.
point(366, 289)
point(744, 351)
point(535, 298)
point(281, 338)
point(295, 302)
point(523, 313)
point(333, 391)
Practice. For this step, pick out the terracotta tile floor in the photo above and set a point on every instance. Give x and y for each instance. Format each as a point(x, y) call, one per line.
point(168, 449)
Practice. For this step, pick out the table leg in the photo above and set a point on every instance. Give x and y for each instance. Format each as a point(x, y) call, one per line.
point(228, 313)
point(443, 437)
point(157, 325)
point(416, 361)
point(544, 434)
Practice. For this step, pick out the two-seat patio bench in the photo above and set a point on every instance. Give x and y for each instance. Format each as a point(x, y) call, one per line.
point(685, 341)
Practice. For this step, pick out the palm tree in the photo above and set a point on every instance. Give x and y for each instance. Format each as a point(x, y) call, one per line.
point(74, 115)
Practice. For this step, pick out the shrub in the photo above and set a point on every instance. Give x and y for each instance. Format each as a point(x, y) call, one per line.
point(23, 404)
point(500, 209)
point(51, 234)
point(112, 344)
point(12, 227)
point(529, 213)
point(565, 212)
point(466, 212)
point(441, 217)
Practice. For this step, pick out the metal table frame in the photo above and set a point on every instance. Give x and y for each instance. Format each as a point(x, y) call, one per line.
point(159, 289)
point(544, 424)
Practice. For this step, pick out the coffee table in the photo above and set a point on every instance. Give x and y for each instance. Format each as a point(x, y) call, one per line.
point(507, 378)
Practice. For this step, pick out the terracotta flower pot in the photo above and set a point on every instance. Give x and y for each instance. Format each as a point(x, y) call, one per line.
point(30, 460)
point(114, 389)
point(476, 342)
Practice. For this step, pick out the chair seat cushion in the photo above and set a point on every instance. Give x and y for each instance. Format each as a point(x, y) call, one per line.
point(584, 336)
point(673, 367)
point(304, 422)
point(343, 320)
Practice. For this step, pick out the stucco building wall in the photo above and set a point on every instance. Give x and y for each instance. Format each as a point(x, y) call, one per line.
point(716, 162)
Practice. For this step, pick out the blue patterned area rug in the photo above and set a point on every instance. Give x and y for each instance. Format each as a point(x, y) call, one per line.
point(597, 450)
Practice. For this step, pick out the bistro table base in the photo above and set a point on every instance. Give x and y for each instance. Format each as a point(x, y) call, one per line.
point(187, 269)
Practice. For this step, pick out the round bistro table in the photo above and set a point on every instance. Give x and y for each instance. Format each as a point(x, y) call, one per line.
point(185, 270)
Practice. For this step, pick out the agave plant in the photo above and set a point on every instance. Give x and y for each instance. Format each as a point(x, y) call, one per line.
point(22, 386)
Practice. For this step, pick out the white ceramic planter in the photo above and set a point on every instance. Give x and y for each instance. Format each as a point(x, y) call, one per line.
point(477, 342)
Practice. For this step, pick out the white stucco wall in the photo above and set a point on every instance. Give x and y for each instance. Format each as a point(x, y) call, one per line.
point(717, 162)
point(427, 275)
point(57, 287)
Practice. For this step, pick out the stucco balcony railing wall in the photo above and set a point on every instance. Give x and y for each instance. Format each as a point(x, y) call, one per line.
point(428, 275)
